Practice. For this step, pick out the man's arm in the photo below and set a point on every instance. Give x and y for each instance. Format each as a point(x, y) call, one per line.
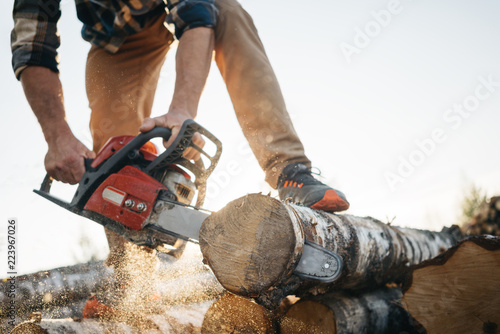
point(34, 42)
point(194, 55)
point(64, 159)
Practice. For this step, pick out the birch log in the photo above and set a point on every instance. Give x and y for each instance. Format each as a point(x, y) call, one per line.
point(54, 287)
point(459, 291)
point(375, 312)
point(254, 244)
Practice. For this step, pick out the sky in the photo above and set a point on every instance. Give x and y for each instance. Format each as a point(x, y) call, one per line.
point(396, 102)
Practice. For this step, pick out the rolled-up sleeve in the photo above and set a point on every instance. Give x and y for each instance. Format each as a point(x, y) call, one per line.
point(189, 14)
point(34, 39)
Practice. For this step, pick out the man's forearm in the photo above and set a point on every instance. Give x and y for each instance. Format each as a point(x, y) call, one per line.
point(64, 158)
point(43, 91)
point(193, 59)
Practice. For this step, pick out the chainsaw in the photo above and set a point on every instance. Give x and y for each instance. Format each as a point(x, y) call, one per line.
point(146, 197)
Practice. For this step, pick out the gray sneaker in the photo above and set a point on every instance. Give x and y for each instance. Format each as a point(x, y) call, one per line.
point(297, 183)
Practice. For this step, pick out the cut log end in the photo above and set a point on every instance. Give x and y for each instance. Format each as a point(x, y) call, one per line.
point(233, 314)
point(249, 244)
point(309, 317)
point(463, 284)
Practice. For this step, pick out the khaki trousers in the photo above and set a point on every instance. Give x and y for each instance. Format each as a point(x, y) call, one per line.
point(121, 89)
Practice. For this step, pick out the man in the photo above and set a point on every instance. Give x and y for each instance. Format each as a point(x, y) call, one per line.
point(129, 44)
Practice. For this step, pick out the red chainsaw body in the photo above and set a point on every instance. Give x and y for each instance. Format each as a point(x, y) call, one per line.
point(129, 177)
point(127, 197)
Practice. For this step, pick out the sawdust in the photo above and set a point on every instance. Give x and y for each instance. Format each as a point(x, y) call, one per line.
point(185, 286)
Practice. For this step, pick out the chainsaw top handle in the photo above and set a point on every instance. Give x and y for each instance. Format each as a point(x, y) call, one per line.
point(129, 154)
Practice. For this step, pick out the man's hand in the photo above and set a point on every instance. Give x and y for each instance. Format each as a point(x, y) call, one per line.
point(65, 158)
point(174, 121)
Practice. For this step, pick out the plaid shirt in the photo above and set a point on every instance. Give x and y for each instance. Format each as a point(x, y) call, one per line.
point(106, 23)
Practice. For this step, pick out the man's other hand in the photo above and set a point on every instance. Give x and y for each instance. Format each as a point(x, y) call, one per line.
point(173, 121)
point(65, 159)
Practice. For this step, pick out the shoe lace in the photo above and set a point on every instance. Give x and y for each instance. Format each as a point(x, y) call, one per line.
point(302, 176)
point(314, 170)
point(306, 171)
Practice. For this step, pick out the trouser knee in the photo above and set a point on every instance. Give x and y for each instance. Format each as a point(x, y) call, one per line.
point(231, 15)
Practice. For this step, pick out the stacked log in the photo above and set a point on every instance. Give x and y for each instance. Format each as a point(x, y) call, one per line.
point(254, 244)
point(232, 314)
point(486, 219)
point(373, 312)
point(458, 291)
point(58, 292)
point(56, 286)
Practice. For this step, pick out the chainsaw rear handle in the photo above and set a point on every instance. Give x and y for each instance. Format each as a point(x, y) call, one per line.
point(131, 148)
point(47, 184)
point(47, 180)
point(129, 152)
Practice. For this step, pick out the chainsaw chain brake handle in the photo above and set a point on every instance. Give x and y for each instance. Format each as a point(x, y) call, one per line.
point(127, 155)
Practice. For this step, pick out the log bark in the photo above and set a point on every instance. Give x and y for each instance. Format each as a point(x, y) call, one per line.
point(375, 312)
point(254, 244)
point(459, 291)
point(237, 315)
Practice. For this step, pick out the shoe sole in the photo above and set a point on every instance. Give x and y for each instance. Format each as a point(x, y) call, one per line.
point(331, 201)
